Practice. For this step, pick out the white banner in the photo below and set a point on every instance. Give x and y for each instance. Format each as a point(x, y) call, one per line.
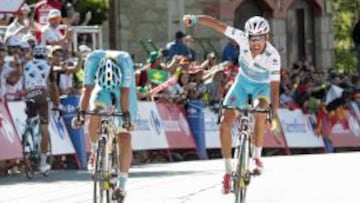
point(297, 129)
point(10, 6)
point(149, 132)
point(60, 140)
point(212, 130)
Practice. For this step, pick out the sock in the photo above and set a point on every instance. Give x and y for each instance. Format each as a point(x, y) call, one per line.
point(228, 166)
point(257, 152)
point(122, 178)
point(43, 159)
point(93, 147)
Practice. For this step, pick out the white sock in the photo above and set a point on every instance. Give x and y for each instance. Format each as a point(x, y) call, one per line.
point(93, 147)
point(122, 178)
point(228, 166)
point(43, 159)
point(257, 152)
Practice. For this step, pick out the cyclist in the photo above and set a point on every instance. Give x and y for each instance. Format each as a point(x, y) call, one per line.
point(259, 74)
point(109, 77)
point(40, 83)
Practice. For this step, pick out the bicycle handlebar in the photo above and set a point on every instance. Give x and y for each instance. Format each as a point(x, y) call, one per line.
point(267, 111)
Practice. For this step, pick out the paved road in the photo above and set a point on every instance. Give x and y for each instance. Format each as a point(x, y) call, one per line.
point(326, 178)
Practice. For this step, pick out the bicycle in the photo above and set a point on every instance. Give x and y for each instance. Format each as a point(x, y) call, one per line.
point(31, 144)
point(106, 162)
point(241, 175)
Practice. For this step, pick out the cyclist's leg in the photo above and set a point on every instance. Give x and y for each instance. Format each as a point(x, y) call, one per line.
point(262, 93)
point(42, 106)
point(99, 100)
point(125, 157)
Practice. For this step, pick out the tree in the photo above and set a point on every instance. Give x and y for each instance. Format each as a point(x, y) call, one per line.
point(344, 18)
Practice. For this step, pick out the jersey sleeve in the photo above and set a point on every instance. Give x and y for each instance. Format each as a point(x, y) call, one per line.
point(236, 35)
point(91, 65)
point(275, 67)
point(127, 71)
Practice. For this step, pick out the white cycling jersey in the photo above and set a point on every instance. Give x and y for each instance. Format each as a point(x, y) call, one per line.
point(264, 68)
point(36, 74)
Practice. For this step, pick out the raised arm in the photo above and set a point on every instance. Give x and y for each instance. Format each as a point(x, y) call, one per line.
point(192, 20)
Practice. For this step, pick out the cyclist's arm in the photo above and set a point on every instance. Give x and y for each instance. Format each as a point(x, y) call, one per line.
point(124, 99)
point(127, 81)
point(212, 23)
point(275, 82)
point(85, 97)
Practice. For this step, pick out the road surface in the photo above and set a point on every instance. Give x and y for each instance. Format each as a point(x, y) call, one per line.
point(323, 178)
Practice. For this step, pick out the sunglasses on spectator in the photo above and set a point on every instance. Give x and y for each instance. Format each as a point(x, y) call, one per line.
point(257, 37)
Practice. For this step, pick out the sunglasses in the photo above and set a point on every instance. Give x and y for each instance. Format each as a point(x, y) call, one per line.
point(257, 37)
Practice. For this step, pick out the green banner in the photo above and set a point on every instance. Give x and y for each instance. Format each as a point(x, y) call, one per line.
point(157, 76)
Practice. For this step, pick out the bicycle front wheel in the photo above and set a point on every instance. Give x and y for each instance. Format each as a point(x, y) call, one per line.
point(242, 173)
point(29, 154)
point(99, 176)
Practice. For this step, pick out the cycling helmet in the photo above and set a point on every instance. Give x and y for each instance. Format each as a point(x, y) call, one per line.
point(108, 74)
point(40, 51)
point(257, 26)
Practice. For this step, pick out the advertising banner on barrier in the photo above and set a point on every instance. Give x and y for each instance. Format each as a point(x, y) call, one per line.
point(212, 133)
point(176, 127)
point(10, 145)
point(343, 136)
point(149, 132)
point(60, 140)
point(298, 130)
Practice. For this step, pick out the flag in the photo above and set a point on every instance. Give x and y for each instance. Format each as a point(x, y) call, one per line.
point(333, 93)
point(164, 85)
point(157, 76)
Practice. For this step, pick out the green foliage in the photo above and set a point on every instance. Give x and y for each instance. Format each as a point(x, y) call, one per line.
point(98, 8)
point(344, 20)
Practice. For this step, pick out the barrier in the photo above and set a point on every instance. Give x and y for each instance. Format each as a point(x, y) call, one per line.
point(163, 126)
point(149, 133)
point(195, 117)
point(69, 104)
point(10, 144)
point(60, 140)
point(297, 130)
point(177, 130)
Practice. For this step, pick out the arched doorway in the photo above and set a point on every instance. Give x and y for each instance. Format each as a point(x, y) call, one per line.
point(300, 31)
point(244, 11)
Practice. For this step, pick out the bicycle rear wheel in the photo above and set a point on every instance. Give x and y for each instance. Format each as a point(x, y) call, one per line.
point(114, 171)
point(99, 176)
point(49, 157)
point(242, 172)
point(29, 154)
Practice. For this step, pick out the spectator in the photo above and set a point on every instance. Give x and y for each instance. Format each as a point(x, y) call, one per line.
point(189, 43)
point(356, 39)
point(231, 52)
point(210, 61)
point(30, 39)
point(14, 88)
point(196, 76)
point(72, 17)
point(13, 46)
point(178, 47)
point(153, 62)
point(215, 90)
point(51, 35)
point(2, 77)
point(21, 24)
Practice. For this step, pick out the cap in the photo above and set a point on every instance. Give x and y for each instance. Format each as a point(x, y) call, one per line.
point(54, 13)
point(179, 35)
point(13, 41)
point(28, 37)
point(84, 50)
point(24, 44)
point(153, 56)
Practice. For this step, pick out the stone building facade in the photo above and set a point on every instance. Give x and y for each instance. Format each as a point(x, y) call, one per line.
point(300, 28)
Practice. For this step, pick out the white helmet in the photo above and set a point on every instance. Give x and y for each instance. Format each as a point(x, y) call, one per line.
point(40, 51)
point(257, 25)
point(108, 74)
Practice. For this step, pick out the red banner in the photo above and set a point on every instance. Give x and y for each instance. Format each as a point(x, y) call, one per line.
point(10, 145)
point(176, 127)
point(346, 135)
point(275, 138)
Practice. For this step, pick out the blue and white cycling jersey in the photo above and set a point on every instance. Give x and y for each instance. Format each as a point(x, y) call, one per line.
point(103, 97)
point(255, 74)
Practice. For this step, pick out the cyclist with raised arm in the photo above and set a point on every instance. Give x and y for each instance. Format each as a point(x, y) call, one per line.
point(259, 75)
point(109, 79)
point(40, 83)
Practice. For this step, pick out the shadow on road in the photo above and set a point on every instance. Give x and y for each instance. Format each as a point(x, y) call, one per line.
point(159, 173)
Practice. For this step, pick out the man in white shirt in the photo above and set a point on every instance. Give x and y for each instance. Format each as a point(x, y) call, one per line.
point(51, 35)
point(20, 26)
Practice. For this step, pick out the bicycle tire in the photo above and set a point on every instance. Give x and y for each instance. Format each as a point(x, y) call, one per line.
point(114, 169)
point(28, 153)
point(240, 184)
point(98, 178)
